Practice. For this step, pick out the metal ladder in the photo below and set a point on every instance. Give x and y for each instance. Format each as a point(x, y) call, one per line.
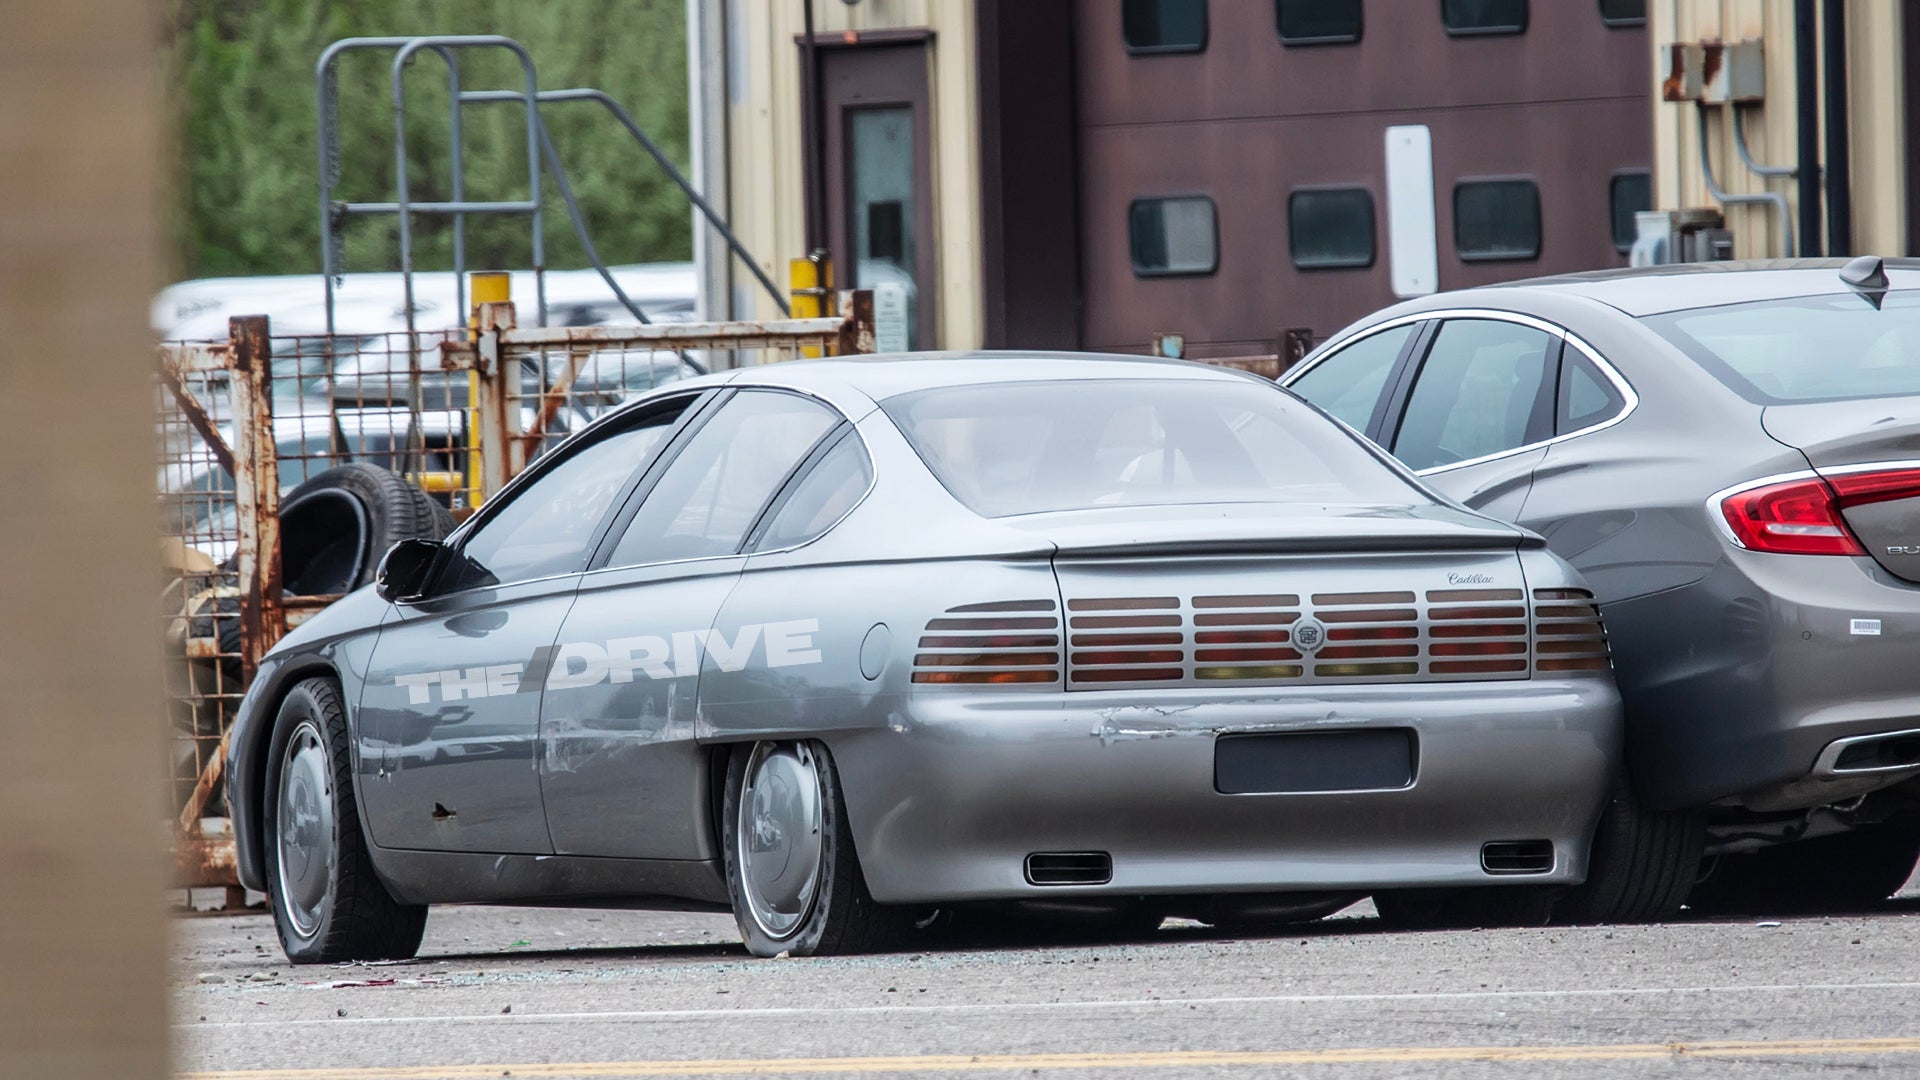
point(334, 214)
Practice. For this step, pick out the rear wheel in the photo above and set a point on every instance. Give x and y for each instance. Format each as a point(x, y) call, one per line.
point(1642, 865)
point(1853, 870)
point(328, 904)
point(791, 869)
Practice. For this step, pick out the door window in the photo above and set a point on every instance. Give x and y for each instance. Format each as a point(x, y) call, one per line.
point(717, 485)
point(822, 497)
point(881, 192)
point(1348, 383)
point(546, 528)
point(1483, 389)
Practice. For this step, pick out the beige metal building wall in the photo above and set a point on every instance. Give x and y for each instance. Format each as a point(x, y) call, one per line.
point(765, 170)
point(1876, 122)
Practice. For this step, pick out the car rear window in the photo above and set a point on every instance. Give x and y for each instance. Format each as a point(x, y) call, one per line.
point(1034, 447)
point(1810, 348)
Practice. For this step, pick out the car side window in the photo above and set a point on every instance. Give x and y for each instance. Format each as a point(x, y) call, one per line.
point(546, 529)
point(717, 485)
point(1483, 388)
point(824, 495)
point(1348, 383)
point(1587, 397)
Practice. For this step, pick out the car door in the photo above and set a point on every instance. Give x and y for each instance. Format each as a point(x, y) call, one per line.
point(449, 717)
point(620, 772)
point(1474, 413)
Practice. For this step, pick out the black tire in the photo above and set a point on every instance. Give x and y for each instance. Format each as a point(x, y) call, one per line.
point(1482, 907)
point(1642, 865)
point(1853, 871)
point(335, 527)
point(356, 919)
point(842, 916)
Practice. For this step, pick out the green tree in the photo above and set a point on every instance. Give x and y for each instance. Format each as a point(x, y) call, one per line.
point(245, 198)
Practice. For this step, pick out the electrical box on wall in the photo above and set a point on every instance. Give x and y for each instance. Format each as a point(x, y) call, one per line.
point(1714, 72)
point(1677, 236)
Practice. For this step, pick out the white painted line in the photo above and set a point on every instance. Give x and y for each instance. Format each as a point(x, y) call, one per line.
point(613, 1016)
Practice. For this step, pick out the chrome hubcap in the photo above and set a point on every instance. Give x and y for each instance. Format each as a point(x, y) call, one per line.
point(305, 805)
point(777, 839)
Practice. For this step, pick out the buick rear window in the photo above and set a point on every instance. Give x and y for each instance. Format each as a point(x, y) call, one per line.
point(1034, 447)
point(1811, 348)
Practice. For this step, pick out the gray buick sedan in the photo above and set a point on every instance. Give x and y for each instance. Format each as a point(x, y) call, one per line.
point(835, 644)
point(1730, 452)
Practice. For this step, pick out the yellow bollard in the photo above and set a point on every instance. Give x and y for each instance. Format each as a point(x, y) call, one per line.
point(810, 281)
point(483, 287)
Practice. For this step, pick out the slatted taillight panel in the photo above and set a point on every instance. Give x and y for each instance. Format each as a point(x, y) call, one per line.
point(1125, 639)
point(1477, 633)
point(1568, 634)
point(1246, 638)
point(1367, 634)
point(1146, 638)
point(1007, 642)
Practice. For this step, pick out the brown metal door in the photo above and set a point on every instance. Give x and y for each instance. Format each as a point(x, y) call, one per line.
point(879, 176)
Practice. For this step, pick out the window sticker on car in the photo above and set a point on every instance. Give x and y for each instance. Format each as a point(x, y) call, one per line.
point(620, 660)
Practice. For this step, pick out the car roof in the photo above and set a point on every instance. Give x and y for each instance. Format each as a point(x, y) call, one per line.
point(1654, 290)
point(885, 375)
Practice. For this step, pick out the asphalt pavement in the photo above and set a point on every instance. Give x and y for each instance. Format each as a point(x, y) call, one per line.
point(552, 993)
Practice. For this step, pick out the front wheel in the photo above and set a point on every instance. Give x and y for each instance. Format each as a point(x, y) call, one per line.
point(328, 904)
point(792, 873)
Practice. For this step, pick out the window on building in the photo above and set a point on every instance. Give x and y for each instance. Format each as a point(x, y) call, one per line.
point(1623, 12)
point(1317, 22)
point(1330, 227)
point(1173, 235)
point(1484, 16)
point(1161, 26)
point(1628, 193)
point(1496, 219)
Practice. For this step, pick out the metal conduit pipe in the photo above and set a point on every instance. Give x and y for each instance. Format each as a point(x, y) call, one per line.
point(1746, 156)
point(1726, 198)
point(1806, 97)
point(1839, 178)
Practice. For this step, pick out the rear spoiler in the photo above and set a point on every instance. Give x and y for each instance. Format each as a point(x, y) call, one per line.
point(1310, 545)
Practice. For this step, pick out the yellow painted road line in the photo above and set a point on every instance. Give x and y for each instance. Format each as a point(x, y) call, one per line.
point(1143, 1060)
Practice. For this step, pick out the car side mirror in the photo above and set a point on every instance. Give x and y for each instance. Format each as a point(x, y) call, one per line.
point(403, 570)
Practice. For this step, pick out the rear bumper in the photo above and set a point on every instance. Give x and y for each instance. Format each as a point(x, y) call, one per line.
point(1738, 684)
point(947, 803)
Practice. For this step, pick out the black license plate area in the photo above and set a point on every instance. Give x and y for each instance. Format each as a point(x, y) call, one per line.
point(1289, 762)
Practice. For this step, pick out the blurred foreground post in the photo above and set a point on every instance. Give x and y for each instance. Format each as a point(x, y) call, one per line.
point(82, 957)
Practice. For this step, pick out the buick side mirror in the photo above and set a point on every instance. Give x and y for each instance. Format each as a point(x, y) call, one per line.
point(403, 570)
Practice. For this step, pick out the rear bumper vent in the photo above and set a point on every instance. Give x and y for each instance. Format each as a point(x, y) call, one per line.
point(1516, 856)
point(1069, 868)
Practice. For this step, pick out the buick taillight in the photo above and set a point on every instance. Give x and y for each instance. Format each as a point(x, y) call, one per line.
point(1795, 517)
point(1882, 485)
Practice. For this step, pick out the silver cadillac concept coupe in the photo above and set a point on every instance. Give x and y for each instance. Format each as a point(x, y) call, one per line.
point(835, 644)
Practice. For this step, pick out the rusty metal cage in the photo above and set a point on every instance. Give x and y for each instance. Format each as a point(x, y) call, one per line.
point(245, 422)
